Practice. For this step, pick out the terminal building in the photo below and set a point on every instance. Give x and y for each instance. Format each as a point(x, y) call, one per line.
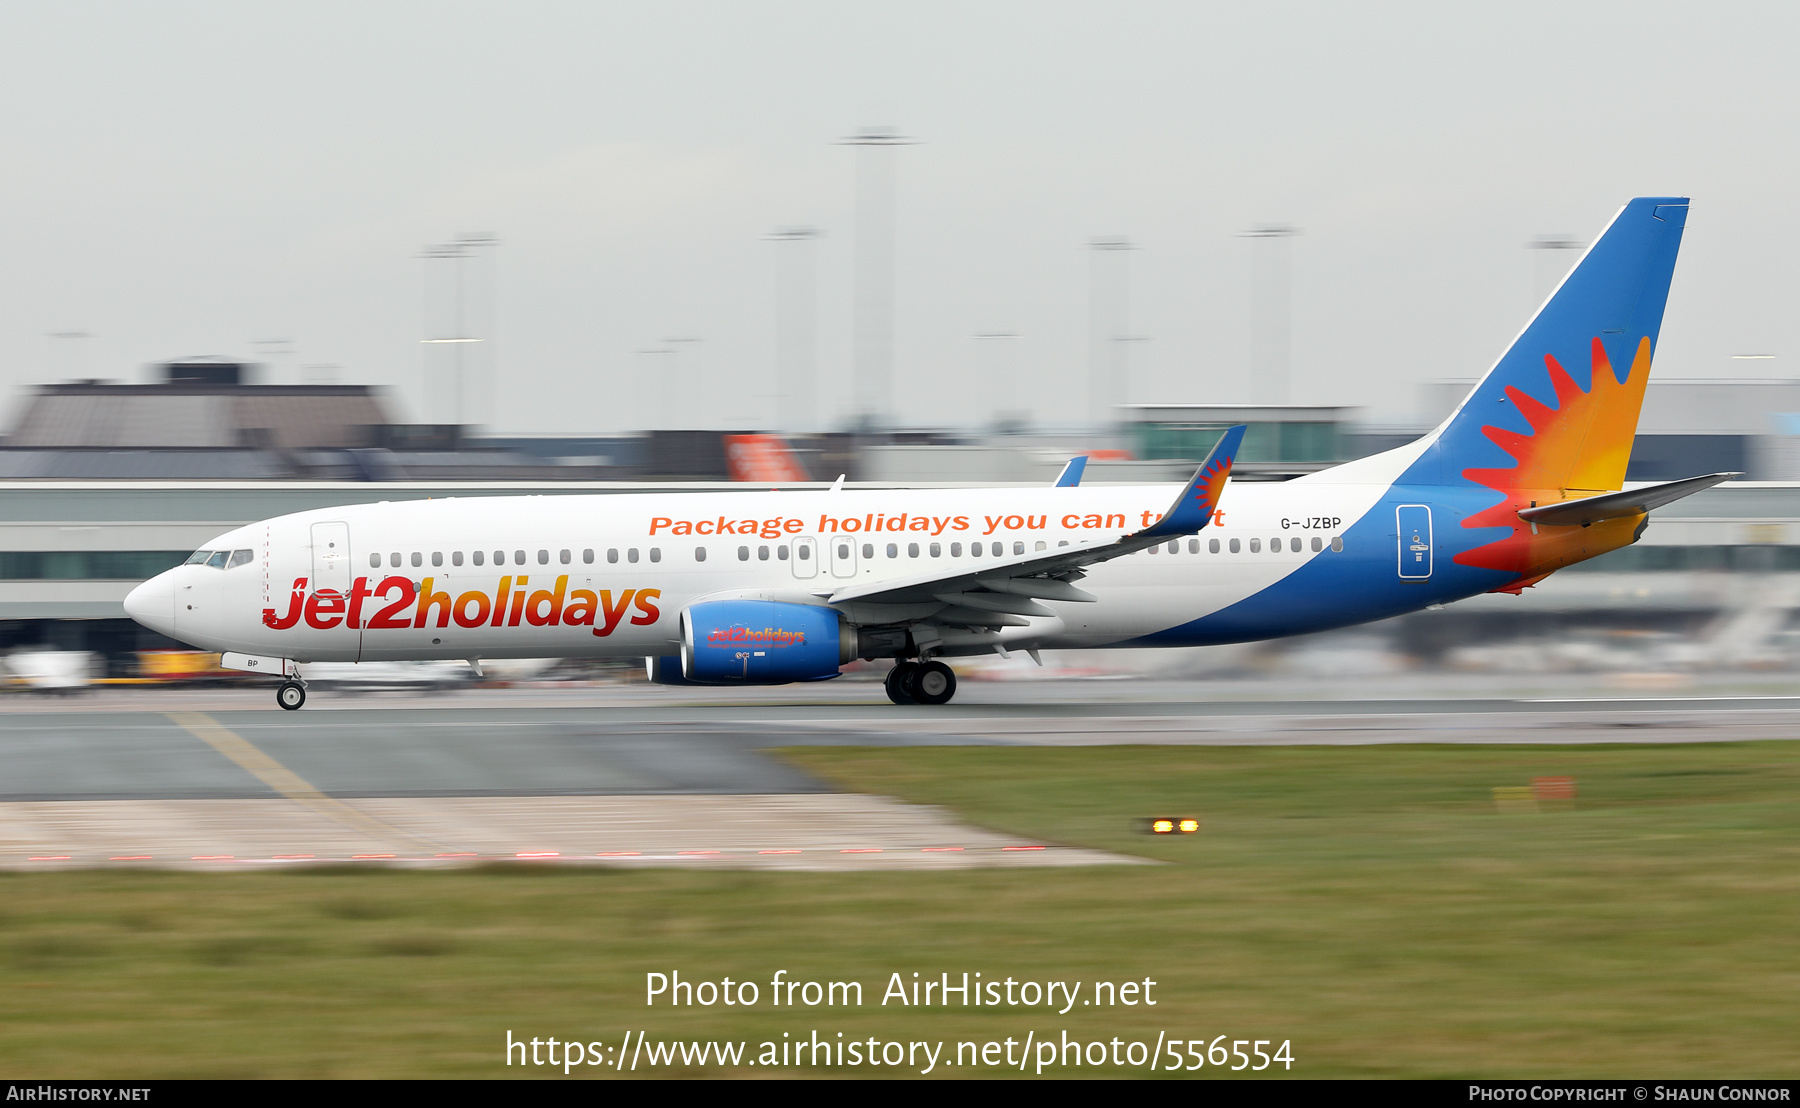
point(103, 485)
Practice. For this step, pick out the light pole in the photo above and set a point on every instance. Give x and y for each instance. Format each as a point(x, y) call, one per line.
point(996, 364)
point(1109, 324)
point(459, 323)
point(67, 354)
point(675, 388)
point(1548, 264)
point(1271, 312)
point(873, 362)
point(276, 352)
point(653, 391)
point(796, 327)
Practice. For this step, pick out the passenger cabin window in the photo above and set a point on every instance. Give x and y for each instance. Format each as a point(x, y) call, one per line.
point(656, 553)
point(781, 552)
point(1235, 546)
point(394, 559)
point(374, 561)
point(937, 551)
point(456, 557)
point(762, 553)
point(418, 559)
point(804, 553)
point(437, 557)
point(1256, 546)
point(699, 554)
point(631, 555)
point(974, 550)
point(499, 557)
point(479, 557)
point(1316, 544)
point(563, 557)
point(1337, 544)
point(587, 557)
point(1193, 546)
point(999, 549)
point(956, 550)
point(543, 557)
point(743, 553)
point(1212, 546)
point(518, 557)
point(612, 555)
point(1042, 545)
point(1294, 544)
point(239, 558)
point(868, 550)
point(893, 550)
point(1018, 548)
point(912, 550)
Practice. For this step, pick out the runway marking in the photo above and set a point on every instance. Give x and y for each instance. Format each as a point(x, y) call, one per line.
point(1650, 699)
point(251, 759)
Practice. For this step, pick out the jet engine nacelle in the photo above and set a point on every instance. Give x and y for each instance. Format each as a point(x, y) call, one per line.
point(762, 642)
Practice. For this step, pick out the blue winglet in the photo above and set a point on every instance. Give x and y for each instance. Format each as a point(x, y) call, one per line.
point(1194, 508)
point(1071, 474)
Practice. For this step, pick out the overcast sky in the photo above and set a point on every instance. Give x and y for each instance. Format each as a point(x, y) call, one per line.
point(185, 179)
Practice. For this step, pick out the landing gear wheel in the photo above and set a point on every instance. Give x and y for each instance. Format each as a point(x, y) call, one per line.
point(934, 683)
point(291, 695)
point(899, 682)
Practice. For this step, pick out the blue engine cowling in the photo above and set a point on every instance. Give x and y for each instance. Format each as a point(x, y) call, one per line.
point(762, 642)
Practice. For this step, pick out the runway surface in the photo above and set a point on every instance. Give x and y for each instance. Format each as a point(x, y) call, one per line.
point(633, 775)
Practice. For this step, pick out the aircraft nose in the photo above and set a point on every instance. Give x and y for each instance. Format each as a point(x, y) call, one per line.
point(153, 604)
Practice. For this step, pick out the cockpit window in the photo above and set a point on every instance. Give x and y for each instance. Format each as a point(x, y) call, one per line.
point(198, 558)
point(239, 558)
point(219, 558)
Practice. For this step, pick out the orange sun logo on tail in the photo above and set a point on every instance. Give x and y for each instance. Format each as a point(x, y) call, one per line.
point(1576, 448)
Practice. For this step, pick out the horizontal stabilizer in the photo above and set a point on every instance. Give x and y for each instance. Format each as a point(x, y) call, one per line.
point(1615, 505)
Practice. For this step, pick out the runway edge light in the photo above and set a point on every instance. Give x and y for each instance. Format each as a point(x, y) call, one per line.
point(1173, 825)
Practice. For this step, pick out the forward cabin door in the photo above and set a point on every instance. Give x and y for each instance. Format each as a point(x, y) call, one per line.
point(331, 557)
point(1415, 541)
point(805, 558)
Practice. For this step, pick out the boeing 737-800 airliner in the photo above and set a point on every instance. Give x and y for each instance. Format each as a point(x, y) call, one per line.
point(772, 587)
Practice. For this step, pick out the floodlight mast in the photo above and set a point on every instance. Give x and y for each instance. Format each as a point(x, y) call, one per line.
point(873, 363)
point(457, 253)
point(1271, 312)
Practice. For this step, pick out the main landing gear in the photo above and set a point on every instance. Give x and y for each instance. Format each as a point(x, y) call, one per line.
point(921, 683)
point(291, 695)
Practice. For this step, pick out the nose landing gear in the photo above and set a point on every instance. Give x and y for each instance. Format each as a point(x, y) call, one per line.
point(921, 683)
point(291, 695)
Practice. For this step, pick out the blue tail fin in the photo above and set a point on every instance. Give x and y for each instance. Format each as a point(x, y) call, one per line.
point(1559, 410)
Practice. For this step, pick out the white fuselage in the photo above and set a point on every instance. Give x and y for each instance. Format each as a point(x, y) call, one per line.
point(608, 575)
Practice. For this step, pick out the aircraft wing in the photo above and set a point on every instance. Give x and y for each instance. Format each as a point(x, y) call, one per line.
point(999, 592)
point(1613, 505)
